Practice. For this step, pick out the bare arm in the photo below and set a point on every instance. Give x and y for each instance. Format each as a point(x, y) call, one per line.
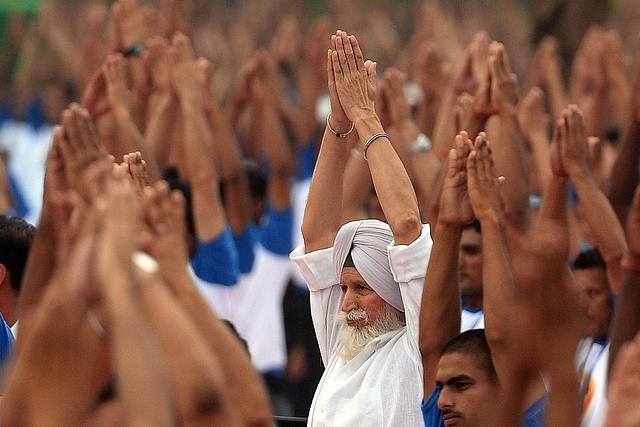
point(199, 166)
point(440, 307)
point(245, 388)
point(607, 230)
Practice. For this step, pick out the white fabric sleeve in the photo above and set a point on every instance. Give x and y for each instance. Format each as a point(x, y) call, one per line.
point(409, 266)
point(326, 296)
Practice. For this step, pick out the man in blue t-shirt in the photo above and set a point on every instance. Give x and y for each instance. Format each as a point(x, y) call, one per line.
point(462, 372)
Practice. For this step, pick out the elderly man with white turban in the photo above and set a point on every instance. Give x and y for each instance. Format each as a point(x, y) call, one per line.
point(365, 277)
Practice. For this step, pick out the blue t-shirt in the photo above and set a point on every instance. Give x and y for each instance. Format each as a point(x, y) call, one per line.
point(6, 342)
point(532, 417)
point(216, 261)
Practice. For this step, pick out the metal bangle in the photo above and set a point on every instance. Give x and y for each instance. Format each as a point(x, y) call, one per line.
point(370, 140)
point(338, 134)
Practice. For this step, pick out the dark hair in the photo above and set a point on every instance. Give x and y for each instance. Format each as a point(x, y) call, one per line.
point(16, 236)
point(475, 225)
point(474, 343)
point(589, 258)
point(170, 175)
point(256, 179)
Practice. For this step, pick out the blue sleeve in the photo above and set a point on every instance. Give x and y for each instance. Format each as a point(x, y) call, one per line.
point(430, 413)
point(275, 232)
point(216, 261)
point(535, 414)
point(6, 341)
point(245, 246)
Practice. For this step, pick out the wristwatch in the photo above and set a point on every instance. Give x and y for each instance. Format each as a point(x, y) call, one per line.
point(135, 49)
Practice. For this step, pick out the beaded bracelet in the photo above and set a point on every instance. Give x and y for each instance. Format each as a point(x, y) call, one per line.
point(373, 138)
point(629, 266)
point(338, 134)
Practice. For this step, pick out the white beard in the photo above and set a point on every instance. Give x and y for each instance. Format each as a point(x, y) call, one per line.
point(354, 339)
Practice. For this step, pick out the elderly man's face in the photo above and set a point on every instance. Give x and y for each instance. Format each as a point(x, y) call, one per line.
point(365, 314)
point(359, 296)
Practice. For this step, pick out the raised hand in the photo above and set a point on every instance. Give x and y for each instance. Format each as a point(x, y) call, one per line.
point(483, 182)
point(137, 168)
point(455, 206)
point(80, 146)
point(504, 94)
point(532, 116)
point(574, 147)
point(118, 93)
point(133, 24)
point(355, 79)
point(186, 81)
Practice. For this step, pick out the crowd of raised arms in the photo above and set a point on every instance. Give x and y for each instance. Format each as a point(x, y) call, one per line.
point(338, 213)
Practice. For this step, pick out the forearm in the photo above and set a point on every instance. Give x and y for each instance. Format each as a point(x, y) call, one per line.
point(626, 323)
point(440, 308)
point(511, 162)
point(182, 344)
point(556, 92)
point(391, 181)
point(624, 174)
point(131, 140)
point(540, 160)
point(607, 231)
point(160, 127)
point(444, 130)
point(323, 212)
point(201, 172)
point(142, 380)
point(37, 273)
point(499, 285)
point(357, 188)
point(273, 140)
point(245, 387)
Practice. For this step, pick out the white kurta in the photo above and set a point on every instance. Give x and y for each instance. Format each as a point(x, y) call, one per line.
point(381, 386)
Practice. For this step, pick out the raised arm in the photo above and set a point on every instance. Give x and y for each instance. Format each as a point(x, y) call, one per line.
point(413, 147)
point(624, 174)
point(627, 320)
point(607, 231)
point(130, 137)
point(356, 85)
point(545, 326)
point(270, 132)
point(164, 214)
point(322, 214)
point(199, 167)
point(142, 379)
point(440, 307)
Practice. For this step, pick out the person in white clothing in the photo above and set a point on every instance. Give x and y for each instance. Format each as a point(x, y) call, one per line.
point(365, 276)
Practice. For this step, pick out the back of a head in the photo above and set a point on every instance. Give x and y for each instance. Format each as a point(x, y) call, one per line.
point(16, 236)
point(589, 258)
point(473, 343)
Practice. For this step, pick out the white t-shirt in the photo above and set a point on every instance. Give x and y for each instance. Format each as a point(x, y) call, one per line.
point(592, 362)
point(381, 386)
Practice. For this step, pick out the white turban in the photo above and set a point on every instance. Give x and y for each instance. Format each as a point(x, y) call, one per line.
point(367, 240)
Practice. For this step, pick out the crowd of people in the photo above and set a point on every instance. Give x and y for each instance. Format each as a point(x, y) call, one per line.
point(216, 213)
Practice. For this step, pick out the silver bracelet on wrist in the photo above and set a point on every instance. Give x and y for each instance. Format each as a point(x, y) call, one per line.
point(370, 140)
point(338, 134)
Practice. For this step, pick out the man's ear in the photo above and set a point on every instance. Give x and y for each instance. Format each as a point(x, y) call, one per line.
point(4, 274)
